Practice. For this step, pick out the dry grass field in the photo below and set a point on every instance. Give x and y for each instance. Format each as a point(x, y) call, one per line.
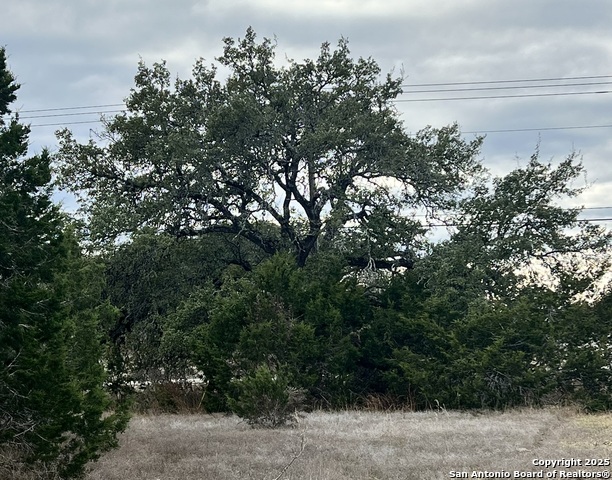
point(357, 445)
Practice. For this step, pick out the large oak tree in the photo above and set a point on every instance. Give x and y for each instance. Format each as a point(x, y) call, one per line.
point(300, 156)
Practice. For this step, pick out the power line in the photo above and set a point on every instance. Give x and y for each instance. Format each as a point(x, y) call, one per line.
point(525, 80)
point(72, 108)
point(487, 97)
point(481, 97)
point(441, 84)
point(64, 124)
point(476, 89)
point(458, 98)
point(71, 114)
point(569, 208)
point(542, 129)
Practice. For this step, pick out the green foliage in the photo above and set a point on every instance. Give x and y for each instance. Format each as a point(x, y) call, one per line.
point(316, 148)
point(307, 320)
point(341, 344)
point(246, 323)
point(497, 355)
point(294, 192)
point(503, 354)
point(264, 398)
point(53, 409)
point(583, 350)
point(147, 278)
point(512, 233)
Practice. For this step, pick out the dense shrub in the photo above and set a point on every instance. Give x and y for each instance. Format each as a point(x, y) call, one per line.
point(265, 398)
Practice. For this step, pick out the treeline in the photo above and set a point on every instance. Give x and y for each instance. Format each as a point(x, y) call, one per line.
point(274, 228)
point(351, 338)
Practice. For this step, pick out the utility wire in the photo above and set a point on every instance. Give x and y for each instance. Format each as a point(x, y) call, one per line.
point(486, 97)
point(571, 208)
point(402, 100)
point(507, 85)
point(72, 108)
point(443, 84)
point(70, 114)
point(552, 79)
point(542, 129)
point(476, 89)
point(64, 124)
point(60, 109)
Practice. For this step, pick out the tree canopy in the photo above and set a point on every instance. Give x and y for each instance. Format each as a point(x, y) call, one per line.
point(298, 156)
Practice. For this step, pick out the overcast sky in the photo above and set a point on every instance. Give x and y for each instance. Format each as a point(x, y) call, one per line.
point(77, 53)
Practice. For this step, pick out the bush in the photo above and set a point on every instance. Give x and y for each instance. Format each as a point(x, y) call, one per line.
point(264, 398)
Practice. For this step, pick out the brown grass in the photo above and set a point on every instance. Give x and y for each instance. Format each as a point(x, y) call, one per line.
point(353, 445)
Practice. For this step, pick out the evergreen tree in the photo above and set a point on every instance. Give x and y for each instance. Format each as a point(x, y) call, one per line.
point(52, 402)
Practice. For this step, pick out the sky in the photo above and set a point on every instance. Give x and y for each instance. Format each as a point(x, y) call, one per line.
point(84, 53)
